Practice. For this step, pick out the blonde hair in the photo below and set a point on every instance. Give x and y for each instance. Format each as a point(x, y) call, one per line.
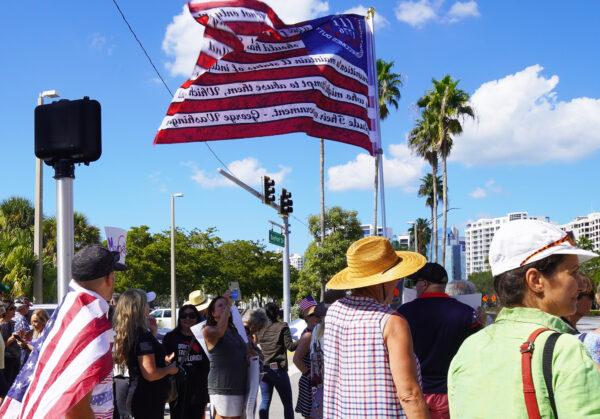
point(129, 317)
point(43, 317)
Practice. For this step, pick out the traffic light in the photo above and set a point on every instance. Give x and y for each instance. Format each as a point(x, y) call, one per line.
point(268, 190)
point(285, 202)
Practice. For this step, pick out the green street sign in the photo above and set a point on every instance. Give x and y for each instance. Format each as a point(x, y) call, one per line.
point(276, 238)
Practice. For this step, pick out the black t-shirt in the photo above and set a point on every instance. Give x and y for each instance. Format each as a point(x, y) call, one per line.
point(146, 344)
point(438, 324)
point(194, 360)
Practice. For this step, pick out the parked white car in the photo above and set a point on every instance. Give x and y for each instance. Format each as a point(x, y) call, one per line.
point(163, 317)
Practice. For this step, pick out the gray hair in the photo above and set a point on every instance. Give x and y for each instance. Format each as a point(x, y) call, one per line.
point(460, 287)
point(256, 319)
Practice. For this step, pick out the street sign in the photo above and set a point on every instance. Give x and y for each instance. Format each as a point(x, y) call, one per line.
point(276, 238)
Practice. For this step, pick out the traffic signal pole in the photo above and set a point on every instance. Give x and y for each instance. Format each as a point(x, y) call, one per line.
point(283, 211)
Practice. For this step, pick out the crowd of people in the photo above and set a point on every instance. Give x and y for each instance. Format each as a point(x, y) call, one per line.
point(433, 357)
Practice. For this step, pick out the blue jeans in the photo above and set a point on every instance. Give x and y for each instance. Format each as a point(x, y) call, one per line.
point(279, 379)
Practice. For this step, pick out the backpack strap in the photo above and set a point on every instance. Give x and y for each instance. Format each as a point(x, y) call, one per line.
point(527, 347)
point(547, 369)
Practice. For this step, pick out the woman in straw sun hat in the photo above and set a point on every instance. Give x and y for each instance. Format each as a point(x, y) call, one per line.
point(370, 368)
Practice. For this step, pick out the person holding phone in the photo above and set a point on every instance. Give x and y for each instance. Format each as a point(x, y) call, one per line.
point(227, 379)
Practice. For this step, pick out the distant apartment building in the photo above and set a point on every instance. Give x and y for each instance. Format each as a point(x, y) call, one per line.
point(455, 262)
point(479, 235)
point(403, 241)
point(586, 226)
point(367, 230)
point(297, 261)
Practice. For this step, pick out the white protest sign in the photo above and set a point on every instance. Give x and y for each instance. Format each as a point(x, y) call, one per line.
point(408, 295)
point(116, 239)
point(473, 300)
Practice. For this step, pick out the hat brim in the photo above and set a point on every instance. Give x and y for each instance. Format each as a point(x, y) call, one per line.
point(204, 305)
point(582, 254)
point(410, 262)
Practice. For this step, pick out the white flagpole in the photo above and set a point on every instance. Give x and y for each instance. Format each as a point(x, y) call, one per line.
point(377, 143)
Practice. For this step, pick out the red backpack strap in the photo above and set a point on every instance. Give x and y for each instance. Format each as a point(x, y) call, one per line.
point(533, 410)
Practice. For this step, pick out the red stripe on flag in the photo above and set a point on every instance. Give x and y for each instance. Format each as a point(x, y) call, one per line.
point(257, 101)
point(84, 384)
point(335, 78)
point(82, 300)
point(247, 4)
point(90, 332)
point(286, 126)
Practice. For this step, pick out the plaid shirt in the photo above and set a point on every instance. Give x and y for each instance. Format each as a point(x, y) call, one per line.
point(358, 381)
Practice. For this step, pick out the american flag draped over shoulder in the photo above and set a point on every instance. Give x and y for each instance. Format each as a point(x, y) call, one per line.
point(256, 76)
point(72, 356)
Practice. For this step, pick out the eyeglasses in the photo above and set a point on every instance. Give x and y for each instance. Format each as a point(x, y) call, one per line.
point(191, 316)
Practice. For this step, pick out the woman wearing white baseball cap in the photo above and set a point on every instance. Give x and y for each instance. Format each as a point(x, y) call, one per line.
point(528, 364)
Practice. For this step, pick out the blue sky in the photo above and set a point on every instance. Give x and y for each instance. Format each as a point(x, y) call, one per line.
point(530, 66)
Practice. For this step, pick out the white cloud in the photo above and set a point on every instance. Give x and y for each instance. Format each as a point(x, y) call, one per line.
point(380, 20)
point(419, 12)
point(100, 43)
point(462, 9)
point(415, 13)
point(182, 42)
point(478, 193)
point(183, 36)
point(490, 188)
point(158, 181)
point(298, 10)
point(521, 120)
point(248, 170)
point(401, 170)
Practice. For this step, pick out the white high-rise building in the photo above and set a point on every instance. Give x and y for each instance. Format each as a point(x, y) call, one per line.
point(367, 230)
point(588, 226)
point(479, 235)
point(297, 261)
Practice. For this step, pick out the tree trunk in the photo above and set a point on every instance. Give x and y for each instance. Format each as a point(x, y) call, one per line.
point(376, 194)
point(322, 210)
point(445, 204)
point(431, 247)
point(434, 228)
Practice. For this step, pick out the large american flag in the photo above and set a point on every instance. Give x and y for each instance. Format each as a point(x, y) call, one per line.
point(72, 356)
point(256, 76)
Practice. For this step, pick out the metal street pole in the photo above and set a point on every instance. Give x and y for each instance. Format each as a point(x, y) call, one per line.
point(286, 270)
point(38, 286)
point(64, 175)
point(173, 283)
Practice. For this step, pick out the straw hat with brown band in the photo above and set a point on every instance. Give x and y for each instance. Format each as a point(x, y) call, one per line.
point(373, 261)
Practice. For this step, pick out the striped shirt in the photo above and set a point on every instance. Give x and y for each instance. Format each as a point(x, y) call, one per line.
point(358, 381)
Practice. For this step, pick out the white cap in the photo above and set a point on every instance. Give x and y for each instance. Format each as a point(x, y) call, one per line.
point(150, 296)
point(521, 242)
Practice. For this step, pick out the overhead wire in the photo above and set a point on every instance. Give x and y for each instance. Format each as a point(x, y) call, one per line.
point(171, 93)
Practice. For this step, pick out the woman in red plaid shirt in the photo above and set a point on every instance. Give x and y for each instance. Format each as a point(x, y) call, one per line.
point(370, 368)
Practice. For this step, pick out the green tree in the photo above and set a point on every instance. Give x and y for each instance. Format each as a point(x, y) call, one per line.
point(428, 189)
point(16, 213)
point(322, 261)
point(592, 267)
point(422, 140)
point(389, 84)
point(484, 281)
point(449, 105)
point(423, 235)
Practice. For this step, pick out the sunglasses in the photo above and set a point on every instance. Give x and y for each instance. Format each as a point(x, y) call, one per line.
point(191, 316)
point(11, 309)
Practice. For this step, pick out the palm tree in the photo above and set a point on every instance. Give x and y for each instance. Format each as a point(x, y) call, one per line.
point(450, 105)
point(426, 190)
point(388, 84)
point(17, 213)
point(422, 140)
point(423, 235)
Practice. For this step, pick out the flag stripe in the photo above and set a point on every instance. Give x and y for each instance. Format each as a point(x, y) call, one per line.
point(335, 78)
point(76, 377)
point(233, 132)
point(73, 304)
point(78, 345)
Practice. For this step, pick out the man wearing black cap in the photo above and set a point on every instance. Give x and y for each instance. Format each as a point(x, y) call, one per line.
point(80, 336)
point(439, 324)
